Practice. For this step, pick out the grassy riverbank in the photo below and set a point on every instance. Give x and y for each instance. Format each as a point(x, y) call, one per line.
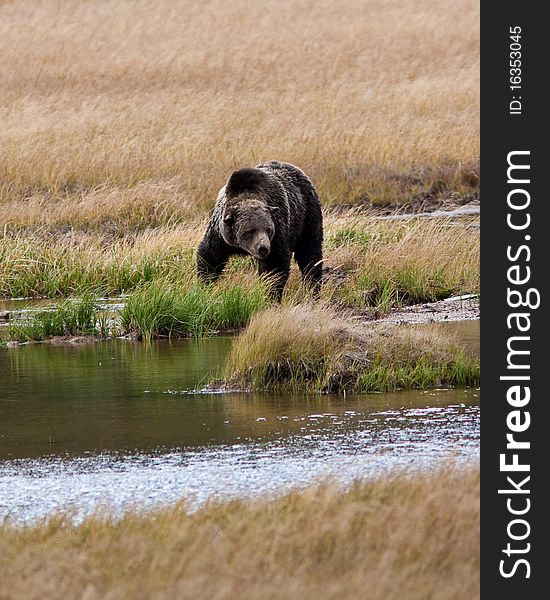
point(157, 309)
point(369, 262)
point(413, 536)
point(312, 348)
point(371, 267)
point(297, 347)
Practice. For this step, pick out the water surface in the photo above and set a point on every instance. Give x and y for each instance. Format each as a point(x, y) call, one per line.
point(113, 424)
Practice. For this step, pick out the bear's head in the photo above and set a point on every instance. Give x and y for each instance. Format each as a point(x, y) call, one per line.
point(249, 225)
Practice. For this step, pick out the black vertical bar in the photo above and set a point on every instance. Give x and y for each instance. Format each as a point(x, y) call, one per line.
point(514, 121)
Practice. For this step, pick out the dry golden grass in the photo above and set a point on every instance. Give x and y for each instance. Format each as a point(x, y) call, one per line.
point(391, 263)
point(311, 347)
point(139, 110)
point(412, 537)
point(112, 210)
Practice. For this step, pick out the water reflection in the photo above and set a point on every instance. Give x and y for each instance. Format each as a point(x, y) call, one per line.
point(103, 396)
point(110, 423)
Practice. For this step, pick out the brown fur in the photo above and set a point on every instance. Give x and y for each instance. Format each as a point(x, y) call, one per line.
point(269, 212)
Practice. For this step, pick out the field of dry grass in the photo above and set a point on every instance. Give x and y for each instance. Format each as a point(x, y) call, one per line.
point(135, 112)
point(413, 537)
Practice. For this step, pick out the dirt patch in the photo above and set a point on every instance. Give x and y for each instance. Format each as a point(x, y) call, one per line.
point(427, 203)
point(457, 308)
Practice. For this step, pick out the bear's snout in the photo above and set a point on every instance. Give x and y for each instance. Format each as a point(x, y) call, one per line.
point(263, 251)
point(260, 246)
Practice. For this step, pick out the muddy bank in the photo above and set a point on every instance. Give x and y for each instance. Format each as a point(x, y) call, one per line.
point(457, 308)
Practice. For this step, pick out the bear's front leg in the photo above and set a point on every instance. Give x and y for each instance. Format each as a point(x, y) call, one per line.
point(277, 269)
point(212, 256)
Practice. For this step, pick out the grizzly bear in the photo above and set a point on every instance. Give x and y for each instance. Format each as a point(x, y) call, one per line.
point(269, 212)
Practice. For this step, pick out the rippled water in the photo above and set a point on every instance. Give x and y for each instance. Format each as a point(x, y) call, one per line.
point(110, 424)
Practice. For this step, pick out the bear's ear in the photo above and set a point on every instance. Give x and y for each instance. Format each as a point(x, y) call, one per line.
point(228, 216)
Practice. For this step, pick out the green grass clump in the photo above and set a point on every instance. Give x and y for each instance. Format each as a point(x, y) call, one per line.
point(363, 236)
point(165, 309)
point(461, 372)
point(407, 285)
point(310, 348)
point(160, 308)
point(70, 318)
